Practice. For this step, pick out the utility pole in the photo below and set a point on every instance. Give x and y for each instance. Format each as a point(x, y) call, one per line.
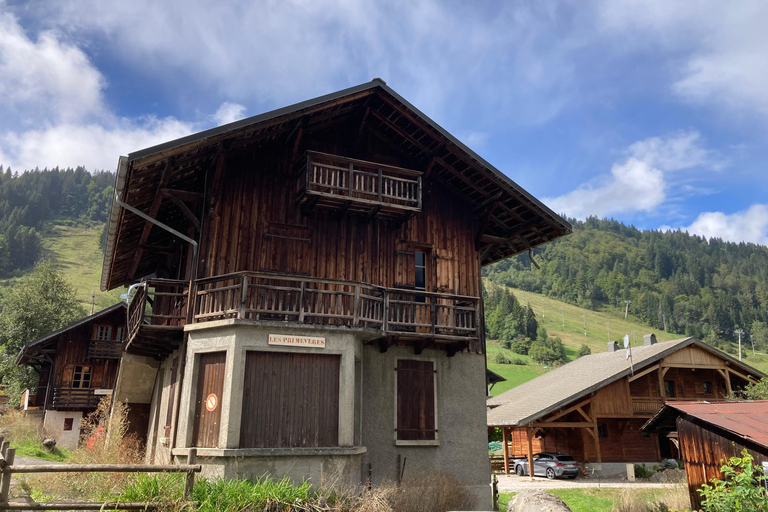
point(739, 332)
point(93, 301)
point(633, 338)
point(543, 312)
point(608, 326)
point(563, 316)
point(626, 310)
point(752, 340)
point(584, 319)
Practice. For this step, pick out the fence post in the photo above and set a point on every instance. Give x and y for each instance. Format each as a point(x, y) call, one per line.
point(10, 454)
point(243, 297)
point(190, 483)
point(301, 301)
point(356, 307)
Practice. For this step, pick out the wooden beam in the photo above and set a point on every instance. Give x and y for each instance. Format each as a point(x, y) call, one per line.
point(165, 177)
point(505, 440)
point(643, 373)
point(728, 388)
point(363, 122)
point(662, 394)
point(191, 217)
point(562, 413)
point(184, 195)
point(593, 413)
point(487, 251)
point(484, 219)
point(664, 371)
point(529, 435)
point(738, 374)
point(564, 424)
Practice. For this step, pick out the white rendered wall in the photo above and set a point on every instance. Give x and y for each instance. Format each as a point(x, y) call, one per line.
point(53, 423)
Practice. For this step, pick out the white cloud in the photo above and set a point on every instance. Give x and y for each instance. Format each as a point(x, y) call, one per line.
point(632, 186)
point(719, 49)
point(46, 78)
point(638, 184)
point(228, 113)
point(750, 225)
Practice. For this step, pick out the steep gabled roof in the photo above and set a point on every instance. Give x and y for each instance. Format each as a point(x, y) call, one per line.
point(31, 349)
point(513, 220)
point(539, 397)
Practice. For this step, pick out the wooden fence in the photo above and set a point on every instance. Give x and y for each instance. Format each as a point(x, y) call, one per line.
point(7, 469)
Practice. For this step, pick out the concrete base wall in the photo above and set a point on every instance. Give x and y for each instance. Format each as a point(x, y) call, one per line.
point(53, 424)
point(462, 447)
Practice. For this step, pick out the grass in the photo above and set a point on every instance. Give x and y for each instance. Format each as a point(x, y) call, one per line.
point(74, 250)
point(25, 435)
point(36, 450)
point(568, 322)
point(608, 499)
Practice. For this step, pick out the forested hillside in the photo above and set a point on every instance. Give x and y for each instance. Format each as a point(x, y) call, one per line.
point(677, 282)
point(33, 197)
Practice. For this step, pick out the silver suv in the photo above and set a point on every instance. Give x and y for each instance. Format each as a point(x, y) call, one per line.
point(551, 465)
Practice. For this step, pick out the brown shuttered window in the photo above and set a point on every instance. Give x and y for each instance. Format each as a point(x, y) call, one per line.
point(416, 401)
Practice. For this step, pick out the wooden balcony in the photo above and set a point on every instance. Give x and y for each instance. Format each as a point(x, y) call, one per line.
point(156, 317)
point(356, 186)
point(403, 315)
point(74, 398)
point(648, 406)
point(104, 349)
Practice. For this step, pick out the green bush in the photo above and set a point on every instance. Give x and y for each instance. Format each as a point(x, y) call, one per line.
point(519, 362)
point(584, 351)
point(643, 472)
point(506, 344)
point(741, 491)
point(499, 358)
point(521, 345)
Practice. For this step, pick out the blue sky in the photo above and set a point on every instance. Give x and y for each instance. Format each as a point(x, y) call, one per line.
point(651, 112)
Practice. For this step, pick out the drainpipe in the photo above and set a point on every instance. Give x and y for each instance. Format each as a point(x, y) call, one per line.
point(533, 260)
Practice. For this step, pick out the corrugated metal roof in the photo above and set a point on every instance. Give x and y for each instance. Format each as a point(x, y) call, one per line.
point(544, 394)
point(748, 420)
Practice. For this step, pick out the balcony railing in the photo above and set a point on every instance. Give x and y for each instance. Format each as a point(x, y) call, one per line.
point(358, 186)
point(104, 349)
point(74, 398)
point(158, 303)
point(407, 314)
point(650, 405)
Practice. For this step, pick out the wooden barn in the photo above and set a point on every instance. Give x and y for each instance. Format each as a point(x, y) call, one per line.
point(708, 434)
point(593, 408)
point(78, 366)
point(309, 294)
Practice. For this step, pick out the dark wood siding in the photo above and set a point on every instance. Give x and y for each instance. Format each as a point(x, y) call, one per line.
point(704, 452)
point(415, 400)
point(210, 381)
point(290, 400)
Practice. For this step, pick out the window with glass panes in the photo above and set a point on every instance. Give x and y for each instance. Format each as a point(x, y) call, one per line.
point(103, 332)
point(420, 270)
point(82, 377)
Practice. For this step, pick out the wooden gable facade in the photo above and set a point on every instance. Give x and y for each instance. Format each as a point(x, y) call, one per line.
point(603, 425)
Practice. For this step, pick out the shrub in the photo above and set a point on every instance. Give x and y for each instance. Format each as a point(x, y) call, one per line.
point(519, 362)
point(643, 472)
point(521, 345)
point(741, 490)
point(584, 351)
point(499, 358)
point(548, 351)
point(506, 343)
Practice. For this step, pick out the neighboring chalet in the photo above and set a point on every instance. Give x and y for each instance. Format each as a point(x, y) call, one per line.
point(593, 407)
point(709, 434)
point(78, 365)
point(309, 299)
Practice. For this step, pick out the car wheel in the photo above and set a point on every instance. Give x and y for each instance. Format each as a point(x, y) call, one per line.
point(550, 473)
point(519, 470)
point(572, 477)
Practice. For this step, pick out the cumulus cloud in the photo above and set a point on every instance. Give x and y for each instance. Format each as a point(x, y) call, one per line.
point(228, 113)
point(639, 183)
point(750, 225)
point(46, 77)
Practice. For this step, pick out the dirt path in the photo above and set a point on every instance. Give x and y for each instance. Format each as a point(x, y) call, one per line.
point(17, 493)
point(514, 483)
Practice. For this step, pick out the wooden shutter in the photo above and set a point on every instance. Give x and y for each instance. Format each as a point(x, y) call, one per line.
point(290, 400)
point(210, 384)
point(286, 249)
point(446, 270)
point(415, 400)
point(405, 265)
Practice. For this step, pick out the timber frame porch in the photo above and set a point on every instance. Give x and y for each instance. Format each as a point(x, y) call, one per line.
point(158, 311)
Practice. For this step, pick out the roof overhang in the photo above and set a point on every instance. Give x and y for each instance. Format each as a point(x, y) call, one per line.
point(511, 219)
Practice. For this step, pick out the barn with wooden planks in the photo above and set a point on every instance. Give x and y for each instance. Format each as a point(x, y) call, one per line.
point(78, 366)
point(593, 408)
point(709, 434)
point(308, 294)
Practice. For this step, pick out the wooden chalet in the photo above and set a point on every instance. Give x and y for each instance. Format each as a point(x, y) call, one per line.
point(78, 365)
point(340, 240)
point(593, 408)
point(709, 434)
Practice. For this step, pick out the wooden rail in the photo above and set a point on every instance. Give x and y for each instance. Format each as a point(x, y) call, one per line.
point(335, 180)
point(7, 468)
point(158, 302)
point(104, 349)
point(408, 313)
point(74, 398)
point(650, 405)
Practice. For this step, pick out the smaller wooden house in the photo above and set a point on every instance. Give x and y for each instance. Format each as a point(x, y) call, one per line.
point(593, 407)
point(77, 366)
point(708, 434)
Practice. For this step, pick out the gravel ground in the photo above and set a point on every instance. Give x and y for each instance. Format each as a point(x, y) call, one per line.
point(514, 483)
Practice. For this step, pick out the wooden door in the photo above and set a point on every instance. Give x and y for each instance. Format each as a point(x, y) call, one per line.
point(210, 388)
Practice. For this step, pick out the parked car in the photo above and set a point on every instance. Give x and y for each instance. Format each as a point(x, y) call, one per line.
point(551, 465)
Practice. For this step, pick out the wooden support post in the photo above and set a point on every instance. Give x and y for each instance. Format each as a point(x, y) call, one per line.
point(5, 486)
point(728, 381)
point(595, 432)
point(190, 482)
point(505, 440)
point(243, 298)
point(356, 307)
point(662, 394)
point(529, 435)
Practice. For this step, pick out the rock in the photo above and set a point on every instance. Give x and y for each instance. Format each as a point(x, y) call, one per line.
point(668, 464)
point(49, 443)
point(536, 501)
point(672, 475)
point(656, 477)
